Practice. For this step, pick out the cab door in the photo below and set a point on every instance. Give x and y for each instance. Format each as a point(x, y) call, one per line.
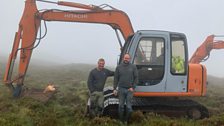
point(177, 79)
point(148, 50)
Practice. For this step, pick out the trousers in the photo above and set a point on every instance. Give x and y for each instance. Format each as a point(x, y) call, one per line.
point(96, 103)
point(125, 96)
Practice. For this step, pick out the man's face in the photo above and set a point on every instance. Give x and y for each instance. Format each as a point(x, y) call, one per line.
point(101, 65)
point(126, 58)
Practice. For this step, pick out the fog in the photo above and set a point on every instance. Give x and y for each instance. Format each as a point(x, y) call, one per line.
point(84, 43)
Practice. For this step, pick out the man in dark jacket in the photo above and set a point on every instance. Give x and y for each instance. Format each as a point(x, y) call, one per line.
point(96, 81)
point(125, 78)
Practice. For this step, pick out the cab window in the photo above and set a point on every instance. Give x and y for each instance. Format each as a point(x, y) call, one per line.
point(150, 51)
point(149, 59)
point(178, 60)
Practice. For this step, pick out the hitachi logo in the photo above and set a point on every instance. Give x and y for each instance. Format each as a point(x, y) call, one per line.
point(75, 16)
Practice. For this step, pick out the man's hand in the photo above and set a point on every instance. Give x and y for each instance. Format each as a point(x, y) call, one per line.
point(115, 92)
point(131, 89)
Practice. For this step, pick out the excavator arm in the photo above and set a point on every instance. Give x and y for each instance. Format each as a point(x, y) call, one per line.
point(203, 51)
point(26, 38)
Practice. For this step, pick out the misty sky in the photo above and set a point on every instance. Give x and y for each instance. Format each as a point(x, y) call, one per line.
point(85, 43)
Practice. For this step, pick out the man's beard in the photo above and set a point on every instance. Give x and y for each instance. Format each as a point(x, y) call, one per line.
point(126, 62)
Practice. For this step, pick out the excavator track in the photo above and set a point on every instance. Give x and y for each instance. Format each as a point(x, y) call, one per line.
point(169, 106)
point(173, 107)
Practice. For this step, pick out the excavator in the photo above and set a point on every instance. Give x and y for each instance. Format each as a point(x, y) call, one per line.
point(203, 51)
point(164, 82)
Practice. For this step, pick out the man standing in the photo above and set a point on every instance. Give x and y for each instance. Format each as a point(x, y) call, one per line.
point(96, 81)
point(125, 78)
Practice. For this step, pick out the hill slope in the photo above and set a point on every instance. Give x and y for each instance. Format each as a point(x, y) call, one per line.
point(68, 105)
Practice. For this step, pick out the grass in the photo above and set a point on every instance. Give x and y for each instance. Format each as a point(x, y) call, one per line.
point(67, 107)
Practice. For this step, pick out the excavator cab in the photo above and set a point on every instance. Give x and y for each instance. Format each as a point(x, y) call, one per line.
point(161, 60)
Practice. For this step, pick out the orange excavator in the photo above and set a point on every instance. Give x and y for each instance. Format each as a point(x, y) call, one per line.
point(166, 77)
point(203, 51)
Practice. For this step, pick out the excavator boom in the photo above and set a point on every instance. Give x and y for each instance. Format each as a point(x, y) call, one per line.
point(30, 24)
point(203, 51)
